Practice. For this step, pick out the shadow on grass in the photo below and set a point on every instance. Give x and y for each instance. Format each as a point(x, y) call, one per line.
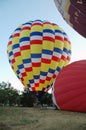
point(4, 126)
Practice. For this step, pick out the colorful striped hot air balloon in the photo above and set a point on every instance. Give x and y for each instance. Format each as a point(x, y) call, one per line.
point(37, 51)
point(69, 91)
point(74, 12)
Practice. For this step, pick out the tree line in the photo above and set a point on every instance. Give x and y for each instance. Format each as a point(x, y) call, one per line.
point(12, 97)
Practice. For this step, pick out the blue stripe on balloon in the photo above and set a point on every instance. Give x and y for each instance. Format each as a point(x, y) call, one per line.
point(64, 33)
point(58, 69)
point(15, 46)
point(10, 53)
point(28, 85)
point(36, 34)
point(58, 31)
point(35, 55)
point(36, 76)
point(10, 36)
point(24, 39)
point(47, 52)
point(69, 51)
point(43, 73)
point(9, 61)
point(18, 77)
point(21, 66)
point(38, 20)
point(48, 31)
point(17, 29)
point(51, 70)
point(65, 50)
point(58, 50)
point(27, 61)
point(31, 81)
point(18, 72)
point(27, 23)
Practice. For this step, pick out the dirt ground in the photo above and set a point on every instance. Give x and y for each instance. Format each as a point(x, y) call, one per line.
point(19, 118)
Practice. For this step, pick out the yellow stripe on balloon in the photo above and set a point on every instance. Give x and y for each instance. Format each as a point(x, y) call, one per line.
point(38, 28)
point(36, 49)
point(25, 33)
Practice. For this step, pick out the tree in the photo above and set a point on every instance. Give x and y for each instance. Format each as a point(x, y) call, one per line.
point(8, 95)
point(27, 99)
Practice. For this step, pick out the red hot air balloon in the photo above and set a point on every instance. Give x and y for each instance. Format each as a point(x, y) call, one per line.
point(74, 13)
point(69, 91)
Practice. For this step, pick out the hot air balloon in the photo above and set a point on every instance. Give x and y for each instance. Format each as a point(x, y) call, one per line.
point(73, 11)
point(37, 51)
point(69, 92)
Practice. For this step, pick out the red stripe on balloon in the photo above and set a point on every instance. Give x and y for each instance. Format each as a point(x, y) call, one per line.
point(27, 47)
point(63, 58)
point(13, 60)
point(54, 76)
point(24, 74)
point(55, 58)
point(36, 84)
point(17, 54)
point(35, 24)
point(36, 64)
point(46, 61)
point(68, 58)
point(59, 38)
point(28, 69)
point(54, 24)
point(33, 88)
point(12, 67)
point(16, 35)
point(22, 79)
point(66, 39)
point(48, 78)
point(36, 42)
point(9, 43)
point(42, 81)
point(25, 28)
point(48, 38)
point(47, 23)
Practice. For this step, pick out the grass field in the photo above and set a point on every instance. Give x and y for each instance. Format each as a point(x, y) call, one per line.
point(18, 118)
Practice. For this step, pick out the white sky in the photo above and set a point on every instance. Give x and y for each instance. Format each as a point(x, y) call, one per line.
point(16, 12)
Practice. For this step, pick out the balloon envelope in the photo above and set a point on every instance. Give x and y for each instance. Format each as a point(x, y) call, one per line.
point(74, 12)
point(70, 87)
point(37, 51)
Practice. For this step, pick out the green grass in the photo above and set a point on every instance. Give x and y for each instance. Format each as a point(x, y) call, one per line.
point(18, 118)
